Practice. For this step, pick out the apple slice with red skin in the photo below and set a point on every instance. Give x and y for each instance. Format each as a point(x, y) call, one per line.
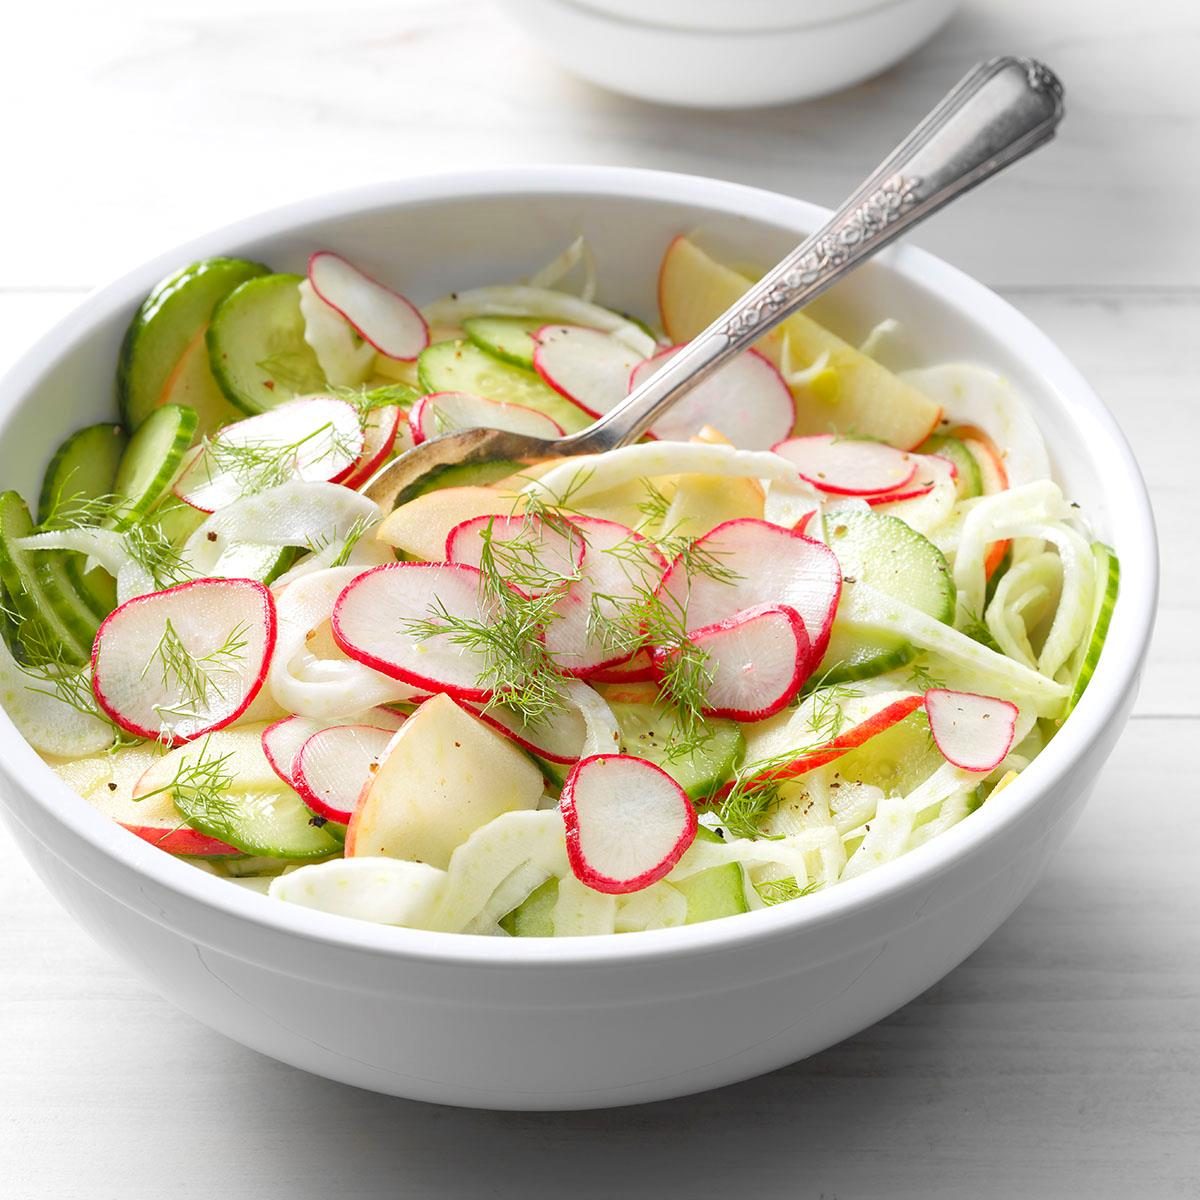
point(321, 434)
point(131, 677)
point(617, 562)
point(972, 732)
point(381, 431)
point(769, 566)
point(369, 624)
point(758, 661)
point(449, 412)
point(589, 367)
point(627, 822)
point(335, 765)
point(282, 740)
point(548, 554)
point(380, 316)
point(848, 467)
point(747, 400)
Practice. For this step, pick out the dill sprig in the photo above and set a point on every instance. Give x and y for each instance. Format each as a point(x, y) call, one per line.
point(922, 679)
point(364, 399)
point(779, 891)
point(258, 466)
point(196, 678)
point(200, 789)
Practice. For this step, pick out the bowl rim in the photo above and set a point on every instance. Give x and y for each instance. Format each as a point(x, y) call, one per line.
point(1114, 679)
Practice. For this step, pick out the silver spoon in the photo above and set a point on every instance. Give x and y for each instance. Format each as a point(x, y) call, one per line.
point(998, 113)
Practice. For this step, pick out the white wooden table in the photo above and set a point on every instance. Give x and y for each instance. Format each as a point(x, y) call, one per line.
point(1063, 1059)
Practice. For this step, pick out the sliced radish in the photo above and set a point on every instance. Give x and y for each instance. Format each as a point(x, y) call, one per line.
point(757, 660)
point(380, 431)
point(972, 732)
point(747, 400)
point(334, 766)
point(449, 412)
point(281, 741)
point(177, 664)
point(847, 467)
point(618, 566)
point(345, 360)
point(559, 740)
point(928, 501)
point(627, 822)
point(639, 669)
point(371, 624)
point(543, 554)
point(380, 316)
point(769, 565)
point(316, 438)
point(591, 368)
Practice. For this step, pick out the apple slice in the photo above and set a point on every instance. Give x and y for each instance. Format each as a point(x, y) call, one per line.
point(371, 623)
point(444, 775)
point(448, 412)
point(545, 555)
point(758, 661)
point(848, 467)
point(334, 766)
point(747, 400)
point(420, 527)
point(381, 430)
point(316, 438)
point(588, 367)
point(391, 324)
point(756, 563)
point(627, 822)
point(177, 664)
point(972, 732)
point(283, 739)
point(618, 566)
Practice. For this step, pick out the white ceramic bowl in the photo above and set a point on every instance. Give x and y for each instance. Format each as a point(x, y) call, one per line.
point(770, 57)
point(578, 1022)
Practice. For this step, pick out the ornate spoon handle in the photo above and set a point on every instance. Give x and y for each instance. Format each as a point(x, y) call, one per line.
point(998, 113)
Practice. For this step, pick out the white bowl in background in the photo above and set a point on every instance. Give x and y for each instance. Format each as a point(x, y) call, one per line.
point(745, 14)
point(578, 1022)
point(709, 66)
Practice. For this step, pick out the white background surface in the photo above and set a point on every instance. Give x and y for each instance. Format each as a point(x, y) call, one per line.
point(1063, 1058)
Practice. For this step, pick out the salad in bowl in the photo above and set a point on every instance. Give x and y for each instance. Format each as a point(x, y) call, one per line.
point(820, 614)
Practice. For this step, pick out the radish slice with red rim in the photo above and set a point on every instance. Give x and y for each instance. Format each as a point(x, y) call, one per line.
point(972, 732)
point(316, 438)
point(558, 739)
point(618, 566)
point(281, 741)
point(374, 618)
point(755, 563)
point(543, 555)
point(588, 367)
point(449, 412)
point(747, 400)
point(380, 431)
point(639, 669)
point(335, 764)
point(757, 662)
point(847, 466)
point(177, 664)
point(627, 822)
point(931, 469)
point(380, 316)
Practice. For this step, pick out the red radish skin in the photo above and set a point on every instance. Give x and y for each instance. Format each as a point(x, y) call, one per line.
point(586, 366)
point(639, 669)
point(758, 660)
point(773, 566)
point(335, 765)
point(553, 741)
point(921, 483)
point(461, 410)
point(380, 432)
point(747, 400)
point(384, 318)
point(610, 803)
point(126, 641)
point(283, 740)
point(559, 554)
point(368, 616)
point(847, 467)
point(972, 732)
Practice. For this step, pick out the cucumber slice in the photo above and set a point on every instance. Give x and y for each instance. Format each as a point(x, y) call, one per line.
point(50, 624)
point(507, 338)
point(717, 892)
point(84, 467)
point(152, 461)
point(969, 479)
point(462, 475)
point(256, 346)
point(166, 324)
point(651, 730)
point(1108, 583)
point(895, 761)
point(534, 916)
point(275, 824)
point(887, 554)
point(97, 587)
point(460, 366)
